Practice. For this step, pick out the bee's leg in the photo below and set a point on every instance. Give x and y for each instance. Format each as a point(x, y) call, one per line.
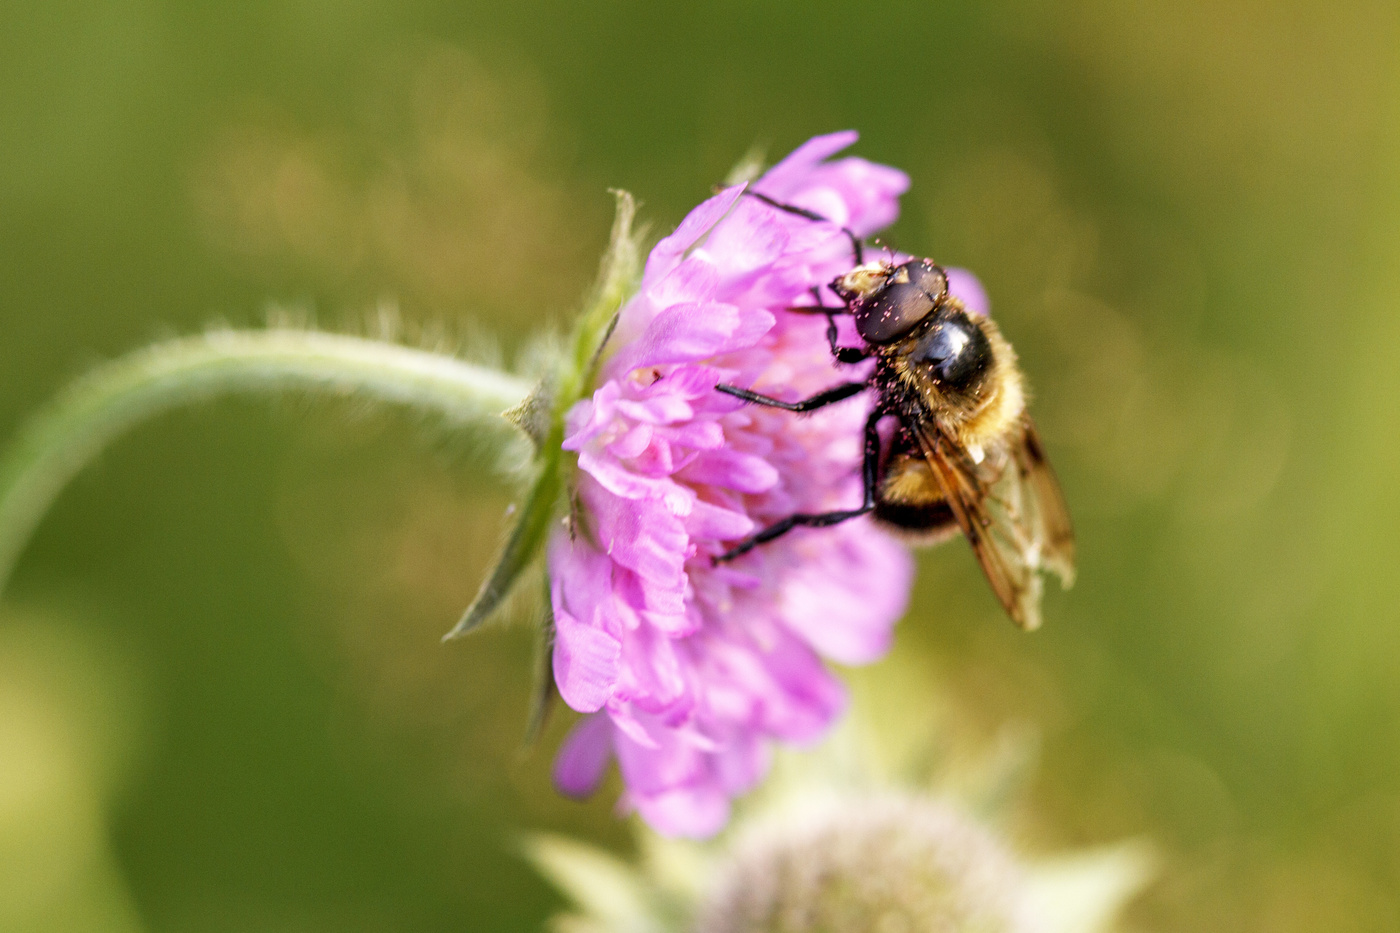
point(857, 247)
point(870, 475)
point(842, 354)
point(818, 308)
point(830, 396)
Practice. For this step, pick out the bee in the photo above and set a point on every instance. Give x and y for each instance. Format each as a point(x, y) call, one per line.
point(964, 455)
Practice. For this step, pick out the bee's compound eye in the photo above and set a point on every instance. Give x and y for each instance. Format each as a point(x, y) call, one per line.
point(928, 276)
point(956, 351)
point(910, 294)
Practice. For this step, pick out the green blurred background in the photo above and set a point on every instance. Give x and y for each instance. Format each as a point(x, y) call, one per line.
point(223, 705)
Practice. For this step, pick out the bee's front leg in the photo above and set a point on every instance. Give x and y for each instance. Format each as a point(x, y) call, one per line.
point(842, 354)
point(857, 247)
point(830, 396)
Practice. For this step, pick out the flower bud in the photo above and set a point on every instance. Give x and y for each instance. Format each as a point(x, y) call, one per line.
point(888, 864)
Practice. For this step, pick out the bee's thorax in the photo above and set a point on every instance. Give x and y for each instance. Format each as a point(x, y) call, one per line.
point(963, 372)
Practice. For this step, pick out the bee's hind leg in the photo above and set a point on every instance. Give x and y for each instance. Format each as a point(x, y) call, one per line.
point(870, 474)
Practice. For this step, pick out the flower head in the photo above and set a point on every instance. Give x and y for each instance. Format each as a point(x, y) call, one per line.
point(691, 669)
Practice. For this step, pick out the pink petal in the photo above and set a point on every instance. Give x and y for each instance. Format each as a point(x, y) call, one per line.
point(641, 535)
point(708, 522)
point(742, 764)
point(585, 662)
point(584, 756)
point(691, 812)
point(845, 599)
point(695, 279)
point(778, 180)
point(672, 762)
point(666, 255)
point(731, 469)
point(693, 331)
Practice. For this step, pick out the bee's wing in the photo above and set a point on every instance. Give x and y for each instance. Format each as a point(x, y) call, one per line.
point(1012, 513)
point(1048, 515)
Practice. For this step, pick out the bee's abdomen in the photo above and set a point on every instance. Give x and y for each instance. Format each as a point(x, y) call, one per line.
point(911, 502)
point(928, 523)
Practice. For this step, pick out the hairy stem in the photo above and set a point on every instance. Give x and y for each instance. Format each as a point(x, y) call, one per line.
point(58, 442)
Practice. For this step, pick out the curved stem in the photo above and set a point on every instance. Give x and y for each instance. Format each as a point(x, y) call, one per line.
point(59, 441)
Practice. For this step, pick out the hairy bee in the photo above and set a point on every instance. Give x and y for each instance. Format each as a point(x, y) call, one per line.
point(964, 455)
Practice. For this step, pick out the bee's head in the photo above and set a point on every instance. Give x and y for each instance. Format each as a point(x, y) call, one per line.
point(953, 350)
point(887, 301)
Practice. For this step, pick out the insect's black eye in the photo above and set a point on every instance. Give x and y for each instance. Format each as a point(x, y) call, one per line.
point(956, 352)
point(909, 295)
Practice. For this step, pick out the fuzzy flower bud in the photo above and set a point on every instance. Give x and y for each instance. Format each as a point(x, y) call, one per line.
point(889, 864)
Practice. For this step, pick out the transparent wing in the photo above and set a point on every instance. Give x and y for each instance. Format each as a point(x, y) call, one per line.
point(1011, 511)
point(1046, 513)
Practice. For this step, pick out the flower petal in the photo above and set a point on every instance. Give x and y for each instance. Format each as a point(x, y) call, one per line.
point(844, 597)
point(666, 255)
point(585, 662)
point(584, 756)
point(795, 167)
point(695, 812)
point(693, 331)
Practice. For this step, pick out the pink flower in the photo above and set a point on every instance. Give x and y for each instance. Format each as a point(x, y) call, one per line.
point(690, 670)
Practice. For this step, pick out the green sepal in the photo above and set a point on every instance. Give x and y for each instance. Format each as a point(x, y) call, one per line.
point(541, 416)
point(522, 545)
point(543, 691)
point(532, 415)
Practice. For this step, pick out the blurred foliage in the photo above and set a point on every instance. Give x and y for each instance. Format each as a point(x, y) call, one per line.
point(1186, 215)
